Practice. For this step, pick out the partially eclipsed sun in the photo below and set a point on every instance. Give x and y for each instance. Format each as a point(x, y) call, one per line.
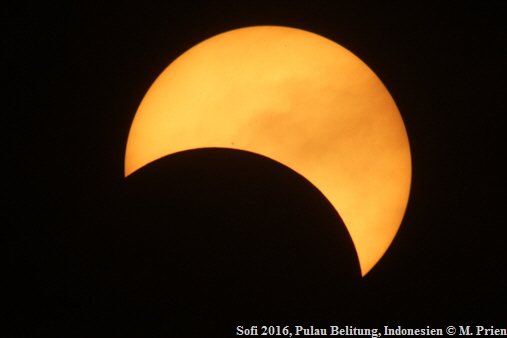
point(297, 98)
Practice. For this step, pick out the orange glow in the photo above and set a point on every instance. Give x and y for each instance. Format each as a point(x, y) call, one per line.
point(299, 99)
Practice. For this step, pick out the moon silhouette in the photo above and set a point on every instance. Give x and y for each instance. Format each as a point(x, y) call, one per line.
point(299, 99)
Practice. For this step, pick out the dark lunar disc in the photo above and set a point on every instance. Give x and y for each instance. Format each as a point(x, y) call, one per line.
point(209, 239)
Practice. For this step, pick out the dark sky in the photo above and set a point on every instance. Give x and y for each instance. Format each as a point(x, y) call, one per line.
point(83, 255)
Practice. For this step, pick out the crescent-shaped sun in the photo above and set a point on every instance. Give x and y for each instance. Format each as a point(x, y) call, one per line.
point(295, 97)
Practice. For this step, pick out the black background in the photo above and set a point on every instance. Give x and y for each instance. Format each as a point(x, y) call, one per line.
point(82, 255)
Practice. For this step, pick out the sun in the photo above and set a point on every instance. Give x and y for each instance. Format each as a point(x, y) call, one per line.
point(297, 98)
